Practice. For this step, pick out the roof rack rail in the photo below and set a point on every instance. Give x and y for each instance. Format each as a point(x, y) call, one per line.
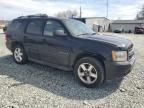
point(35, 16)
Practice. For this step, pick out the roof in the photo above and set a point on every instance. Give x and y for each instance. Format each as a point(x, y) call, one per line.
point(38, 16)
point(128, 21)
point(33, 16)
point(95, 18)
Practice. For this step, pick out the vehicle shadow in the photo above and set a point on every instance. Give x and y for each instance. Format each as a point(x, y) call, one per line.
point(58, 82)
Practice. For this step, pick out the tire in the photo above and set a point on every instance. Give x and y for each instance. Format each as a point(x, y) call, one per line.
point(93, 69)
point(19, 54)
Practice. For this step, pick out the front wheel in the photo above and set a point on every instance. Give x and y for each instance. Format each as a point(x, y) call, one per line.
point(89, 72)
point(19, 55)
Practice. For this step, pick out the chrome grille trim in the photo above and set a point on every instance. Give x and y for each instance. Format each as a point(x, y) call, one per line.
point(130, 52)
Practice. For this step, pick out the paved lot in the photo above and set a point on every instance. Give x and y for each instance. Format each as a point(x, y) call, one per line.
point(33, 85)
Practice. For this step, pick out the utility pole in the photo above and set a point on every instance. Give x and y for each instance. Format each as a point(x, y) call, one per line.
point(80, 12)
point(107, 7)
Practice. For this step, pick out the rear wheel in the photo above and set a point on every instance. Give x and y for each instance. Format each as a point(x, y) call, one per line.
point(89, 72)
point(19, 54)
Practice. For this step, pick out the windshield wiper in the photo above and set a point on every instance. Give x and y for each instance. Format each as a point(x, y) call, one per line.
point(83, 34)
point(93, 33)
point(86, 34)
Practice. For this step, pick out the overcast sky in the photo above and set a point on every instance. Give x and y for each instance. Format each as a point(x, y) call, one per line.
point(118, 9)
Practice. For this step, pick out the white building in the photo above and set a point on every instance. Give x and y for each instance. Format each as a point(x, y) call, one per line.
point(126, 25)
point(98, 24)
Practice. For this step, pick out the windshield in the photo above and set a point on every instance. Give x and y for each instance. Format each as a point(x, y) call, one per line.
point(78, 28)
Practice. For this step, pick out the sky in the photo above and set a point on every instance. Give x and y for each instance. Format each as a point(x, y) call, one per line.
point(118, 9)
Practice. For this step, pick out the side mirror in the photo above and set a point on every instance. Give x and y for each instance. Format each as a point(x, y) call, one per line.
point(4, 29)
point(59, 33)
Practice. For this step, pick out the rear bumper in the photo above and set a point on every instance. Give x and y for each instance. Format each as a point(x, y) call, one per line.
point(118, 69)
point(8, 45)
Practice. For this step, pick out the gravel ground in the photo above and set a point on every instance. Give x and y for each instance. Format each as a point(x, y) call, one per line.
point(38, 86)
point(1, 31)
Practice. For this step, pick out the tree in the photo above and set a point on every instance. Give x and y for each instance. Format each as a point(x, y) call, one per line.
point(67, 14)
point(140, 15)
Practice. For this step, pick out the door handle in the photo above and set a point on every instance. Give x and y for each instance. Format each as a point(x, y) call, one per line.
point(48, 43)
point(25, 37)
point(44, 41)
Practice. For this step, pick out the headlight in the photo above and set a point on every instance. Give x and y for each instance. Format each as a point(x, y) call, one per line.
point(119, 56)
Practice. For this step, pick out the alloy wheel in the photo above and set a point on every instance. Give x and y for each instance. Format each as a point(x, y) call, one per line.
point(18, 54)
point(87, 73)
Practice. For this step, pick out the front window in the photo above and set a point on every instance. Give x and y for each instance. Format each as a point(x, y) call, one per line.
point(52, 26)
point(78, 28)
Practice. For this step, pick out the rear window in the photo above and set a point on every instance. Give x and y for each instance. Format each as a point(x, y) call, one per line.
point(14, 26)
point(35, 27)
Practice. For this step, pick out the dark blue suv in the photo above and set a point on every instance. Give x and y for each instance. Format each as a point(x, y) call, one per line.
point(70, 45)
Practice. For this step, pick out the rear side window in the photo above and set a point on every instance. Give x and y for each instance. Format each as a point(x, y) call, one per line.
point(14, 26)
point(35, 27)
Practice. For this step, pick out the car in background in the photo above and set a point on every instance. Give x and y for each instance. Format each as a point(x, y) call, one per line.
point(139, 30)
point(117, 31)
point(4, 29)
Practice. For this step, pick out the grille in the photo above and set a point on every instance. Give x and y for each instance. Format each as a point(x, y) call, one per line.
point(130, 52)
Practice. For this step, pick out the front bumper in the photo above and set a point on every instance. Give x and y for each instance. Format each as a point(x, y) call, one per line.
point(118, 69)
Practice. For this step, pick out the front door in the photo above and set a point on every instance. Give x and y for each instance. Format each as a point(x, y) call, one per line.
point(56, 49)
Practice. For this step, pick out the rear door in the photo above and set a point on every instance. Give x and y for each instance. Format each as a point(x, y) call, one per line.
point(32, 38)
point(55, 49)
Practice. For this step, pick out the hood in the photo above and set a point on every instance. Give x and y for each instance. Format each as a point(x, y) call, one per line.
point(114, 40)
